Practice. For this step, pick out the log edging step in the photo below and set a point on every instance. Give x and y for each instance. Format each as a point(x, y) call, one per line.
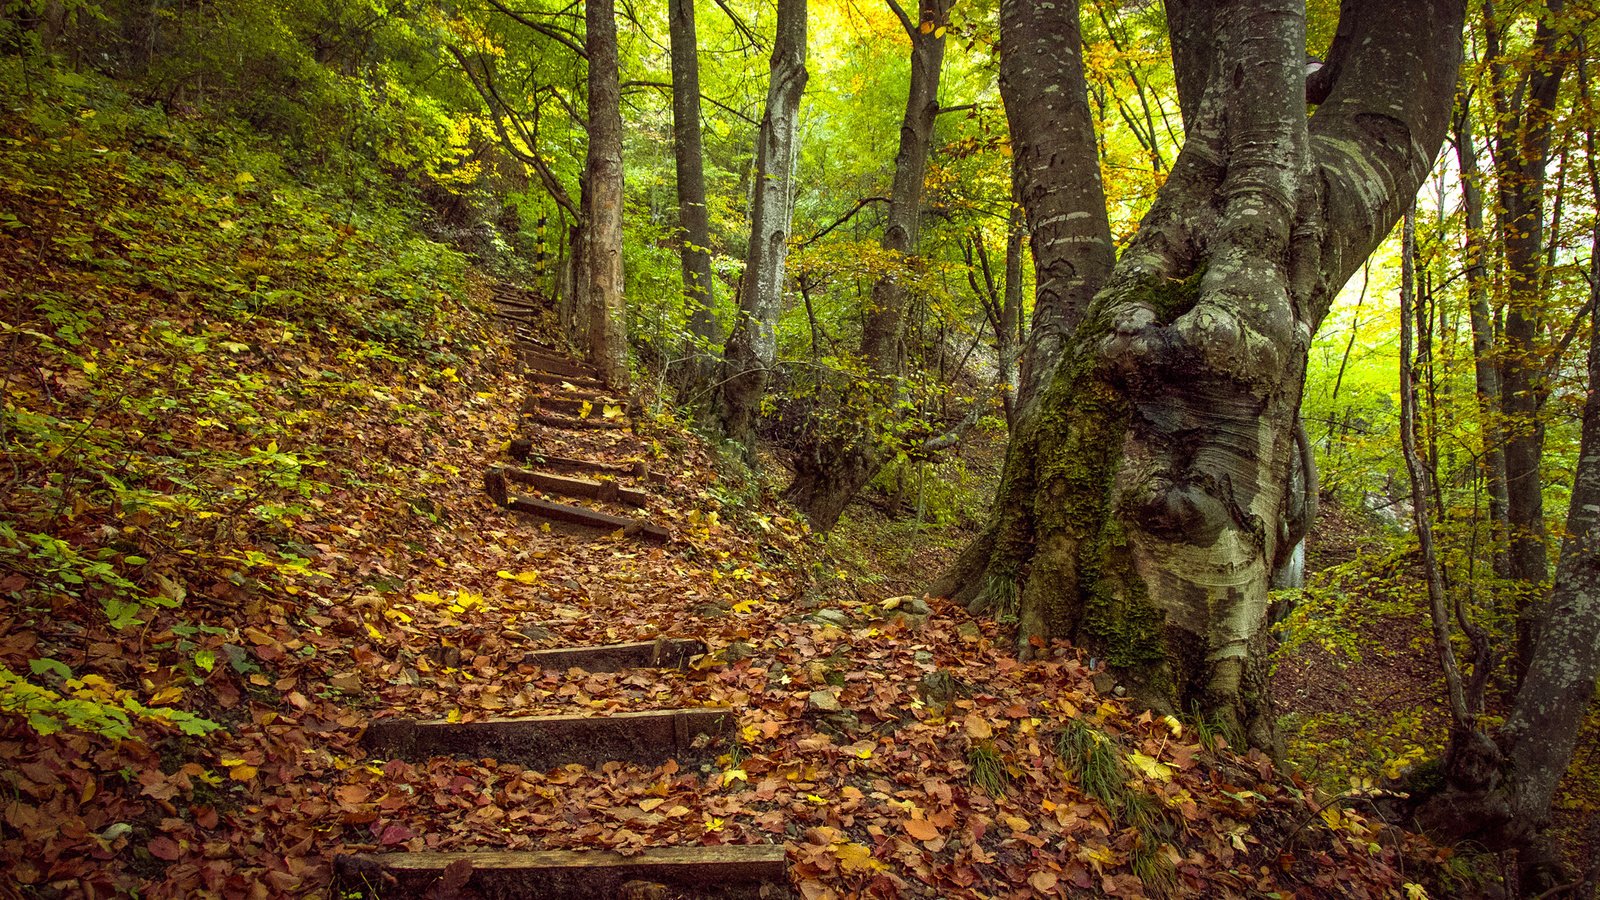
point(494, 483)
point(522, 451)
point(608, 491)
point(727, 872)
point(546, 742)
point(552, 378)
point(666, 653)
point(573, 424)
point(555, 365)
point(572, 404)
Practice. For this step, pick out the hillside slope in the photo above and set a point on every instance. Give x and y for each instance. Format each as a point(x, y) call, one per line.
point(247, 415)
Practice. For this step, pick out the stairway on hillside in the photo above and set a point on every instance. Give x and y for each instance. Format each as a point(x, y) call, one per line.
point(609, 480)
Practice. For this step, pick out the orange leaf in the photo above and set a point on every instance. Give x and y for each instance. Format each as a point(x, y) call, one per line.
point(921, 829)
point(978, 728)
point(1043, 882)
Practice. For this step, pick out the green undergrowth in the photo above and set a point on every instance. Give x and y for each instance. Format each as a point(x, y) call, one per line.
point(194, 334)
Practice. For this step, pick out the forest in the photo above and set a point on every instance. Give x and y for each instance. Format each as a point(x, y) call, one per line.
point(799, 448)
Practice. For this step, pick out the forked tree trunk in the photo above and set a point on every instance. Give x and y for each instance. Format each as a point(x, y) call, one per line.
point(1140, 505)
point(836, 462)
point(752, 348)
point(693, 219)
point(600, 289)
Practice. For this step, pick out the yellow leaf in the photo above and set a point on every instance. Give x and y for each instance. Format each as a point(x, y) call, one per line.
point(1331, 816)
point(398, 616)
point(939, 32)
point(1150, 767)
point(429, 597)
point(453, 716)
point(242, 772)
point(715, 824)
point(744, 606)
point(244, 178)
point(1415, 891)
point(813, 798)
point(611, 411)
point(375, 633)
point(855, 857)
point(733, 775)
point(520, 577)
point(231, 761)
point(168, 694)
point(1174, 724)
point(584, 409)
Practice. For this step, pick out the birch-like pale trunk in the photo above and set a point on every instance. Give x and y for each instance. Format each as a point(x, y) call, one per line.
point(752, 348)
point(1141, 503)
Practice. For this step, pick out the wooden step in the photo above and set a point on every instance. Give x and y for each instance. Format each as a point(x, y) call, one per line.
point(572, 405)
point(721, 872)
point(494, 483)
point(667, 653)
point(522, 451)
point(577, 381)
point(547, 742)
point(575, 424)
point(556, 365)
point(589, 518)
point(608, 491)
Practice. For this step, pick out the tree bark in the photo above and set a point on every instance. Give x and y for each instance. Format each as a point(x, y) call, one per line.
point(693, 218)
point(602, 287)
point(1522, 153)
point(752, 348)
point(1485, 368)
point(1140, 505)
point(836, 463)
point(1057, 175)
point(1010, 314)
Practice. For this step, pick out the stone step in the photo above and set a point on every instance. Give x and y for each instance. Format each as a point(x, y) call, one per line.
point(716, 873)
point(548, 742)
point(666, 653)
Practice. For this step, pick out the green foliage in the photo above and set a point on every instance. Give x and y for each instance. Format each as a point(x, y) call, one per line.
point(987, 769)
point(89, 705)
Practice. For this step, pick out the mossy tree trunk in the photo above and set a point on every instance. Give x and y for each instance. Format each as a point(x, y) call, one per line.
point(1143, 495)
point(601, 286)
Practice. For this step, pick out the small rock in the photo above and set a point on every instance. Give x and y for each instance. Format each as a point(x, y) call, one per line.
point(535, 633)
point(710, 611)
point(969, 631)
point(922, 656)
point(1104, 683)
point(917, 606)
point(823, 701)
point(738, 650)
point(838, 618)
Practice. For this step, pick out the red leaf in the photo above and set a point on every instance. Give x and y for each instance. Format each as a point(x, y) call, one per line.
point(164, 848)
point(395, 834)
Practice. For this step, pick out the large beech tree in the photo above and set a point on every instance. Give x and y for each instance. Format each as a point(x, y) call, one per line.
point(1143, 494)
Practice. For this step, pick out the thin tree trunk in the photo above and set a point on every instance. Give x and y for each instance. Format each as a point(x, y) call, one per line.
point(1522, 143)
point(1011, 313)
point(1057, 175)
point(1485, 367)
point(837, 462)
point(693, 218)
point(602, 293)
point(752, 348)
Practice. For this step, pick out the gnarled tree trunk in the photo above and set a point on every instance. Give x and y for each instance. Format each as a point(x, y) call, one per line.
point(752, 348)
point(1140, 506)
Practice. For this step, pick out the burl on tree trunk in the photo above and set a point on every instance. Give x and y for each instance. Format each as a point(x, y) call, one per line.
point(1143, 495)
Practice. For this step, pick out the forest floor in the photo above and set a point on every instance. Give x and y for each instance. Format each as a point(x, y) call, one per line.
point(243, 519)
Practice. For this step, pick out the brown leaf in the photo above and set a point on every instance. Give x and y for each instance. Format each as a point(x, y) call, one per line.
point(921, 829)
